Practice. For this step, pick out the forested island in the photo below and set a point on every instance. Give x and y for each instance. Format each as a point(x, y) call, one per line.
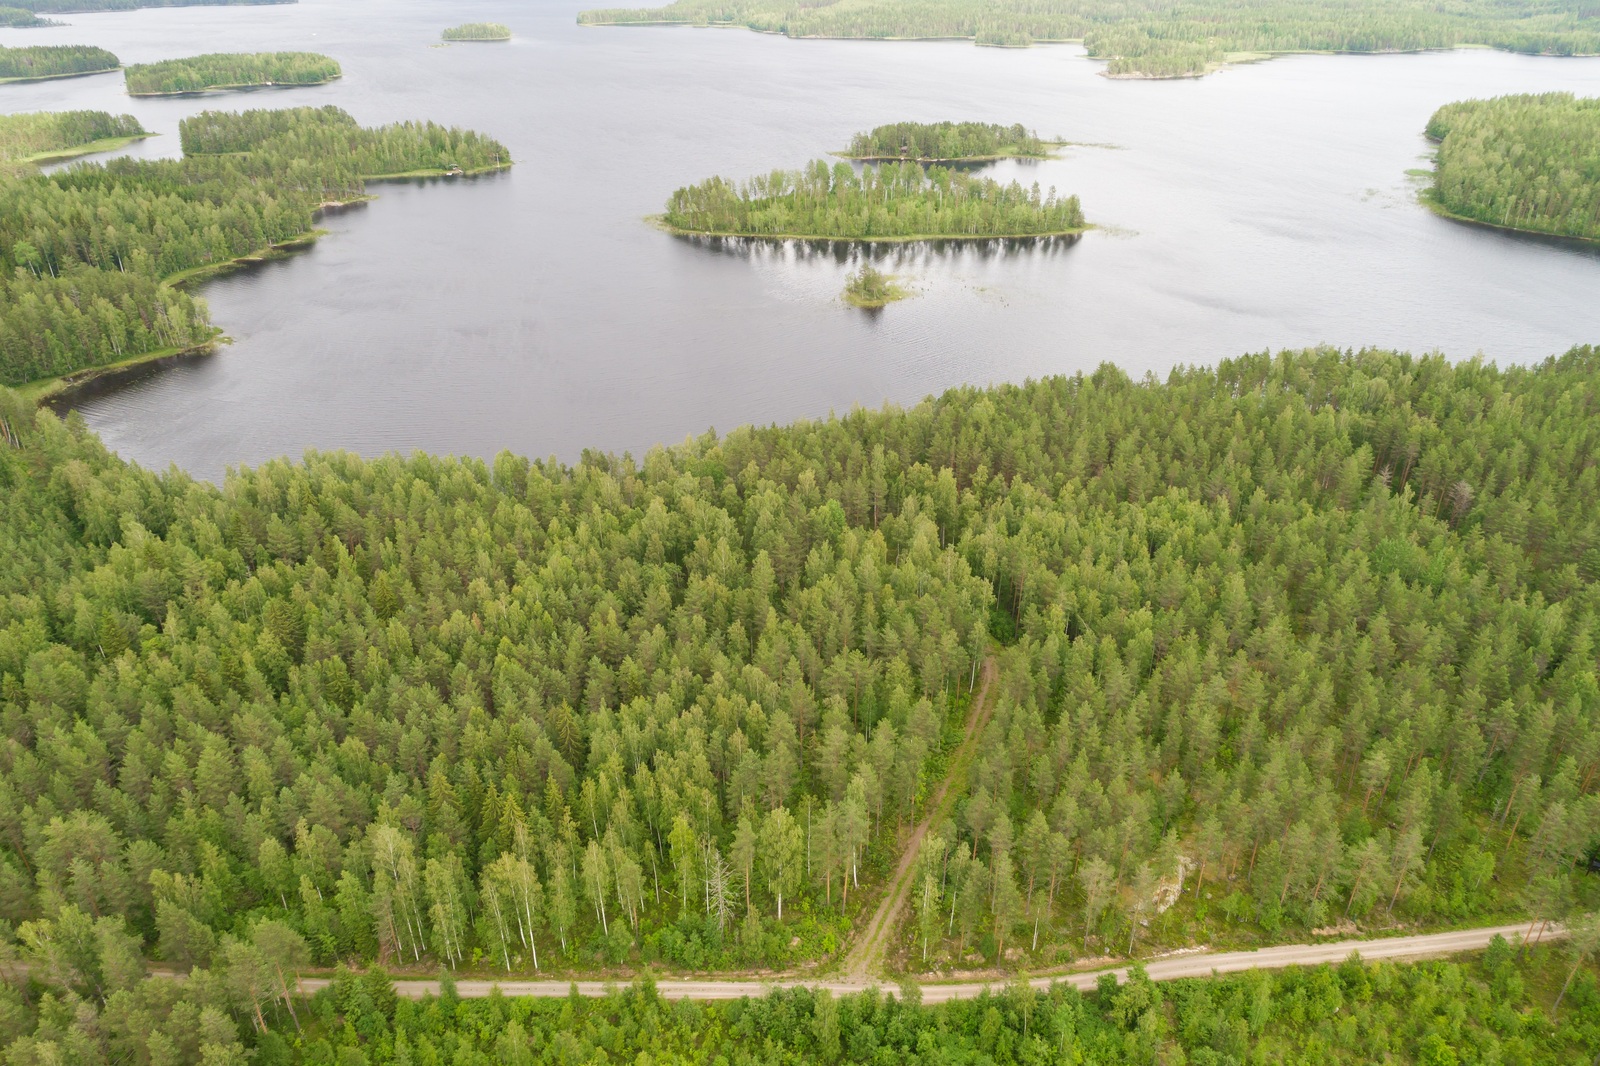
point(1520, 162)
point(870, 288)
point(220, 71)
point(1145, 38)
point(51, 136)
point(87, 256)
point(17, 18)
point(54, 61)
point(946, 142)
point(893, 201)
point(1301, 640)
point(478, 31)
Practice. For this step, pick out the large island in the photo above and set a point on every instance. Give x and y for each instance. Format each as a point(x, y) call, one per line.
point(38, 62)
point(1520, 162)
point(223, 71)
point(890, 202)
point(1161, 38)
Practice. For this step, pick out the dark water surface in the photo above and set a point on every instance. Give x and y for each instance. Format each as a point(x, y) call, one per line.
point(1264, 207)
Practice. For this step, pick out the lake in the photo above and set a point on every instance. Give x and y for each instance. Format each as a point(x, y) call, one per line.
point(1265, 207)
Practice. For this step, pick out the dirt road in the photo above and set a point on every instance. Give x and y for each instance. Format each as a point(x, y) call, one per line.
point(1201, 964)
point(866, 956)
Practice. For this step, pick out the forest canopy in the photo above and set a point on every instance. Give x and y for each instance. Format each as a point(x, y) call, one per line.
point(42, 135)
point(478, 31)
point(892, 201)
point(223, 70)
point(54, 61)
point(18, 18)
point(85, 254)
point(1164, 38)
point(1316, 628)
point(945, 142)
point(1520, 162)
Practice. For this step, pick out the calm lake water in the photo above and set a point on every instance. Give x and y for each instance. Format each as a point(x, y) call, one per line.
point(1265, 207)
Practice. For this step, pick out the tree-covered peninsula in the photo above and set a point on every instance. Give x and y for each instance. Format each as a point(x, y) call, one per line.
point(1520, 162)
point(48, 136)
point(893, 201)
point(54, 61)
point(946, 142)
point(1296, 642)
point(18, 18)
point(229, 70)
point(478, 31)
point(1163, 38)
point(87, 255)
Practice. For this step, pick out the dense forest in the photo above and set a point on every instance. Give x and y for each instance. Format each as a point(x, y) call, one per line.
point(56, 134)
point(1524, 162)
point(84, 253)
point(18, 18)
point(1165, 38)
point(223, 70)
point(890, 201)
point(1318, 626)
point(478, 31)
point(54, 61)
point(77, 6)
point(943, 142)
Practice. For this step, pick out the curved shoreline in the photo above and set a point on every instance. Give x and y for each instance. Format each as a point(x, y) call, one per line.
point(53, 77)
point(104, 144)
point(1428, 201)
point(660, 223)
point(237, 88)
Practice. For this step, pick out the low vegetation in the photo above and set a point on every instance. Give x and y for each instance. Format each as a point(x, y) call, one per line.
point(50, 135)
point(223, 70)
point(946, 142)
point(869, 287)
point(84, 254)
point(1163, 38)
point(893, 201)
point(54, 61)
point(478, 31)
point(1520, 162)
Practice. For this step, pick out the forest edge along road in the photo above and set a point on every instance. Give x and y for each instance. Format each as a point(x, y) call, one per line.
point(1429, 945)
point(867, 954)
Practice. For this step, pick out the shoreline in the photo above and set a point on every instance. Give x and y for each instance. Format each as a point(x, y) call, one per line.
point(43, 390)
point(1427, 199)
point(948, 160)
point(660, 223)
point(432, 172)
point(53, 77)
point(241, 87)
point(104, 144)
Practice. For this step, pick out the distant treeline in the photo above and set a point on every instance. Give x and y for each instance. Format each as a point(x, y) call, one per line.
point(83, 254)
point(230, 70)
point(76, 6)
point(16, 18)
point(944, 141)
point(27, 135)
point(892, 201)
point(51, 61)
point(1527, 162)
point(478, 31)
point(1165, 38)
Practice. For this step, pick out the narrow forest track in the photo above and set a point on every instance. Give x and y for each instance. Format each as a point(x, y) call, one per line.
point(1171, 968)
point(866, 956)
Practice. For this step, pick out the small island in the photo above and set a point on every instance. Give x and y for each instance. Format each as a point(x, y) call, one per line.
point(17, 18)
point(52, 136)
point(947, 142)
point(227, 71)
point(871, 288)
point(38, 62)
point(1529, 163)
point(477, 31)
point(890, 202)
